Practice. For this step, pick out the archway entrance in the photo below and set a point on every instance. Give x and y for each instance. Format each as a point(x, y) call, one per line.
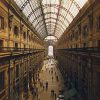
point(50, 50)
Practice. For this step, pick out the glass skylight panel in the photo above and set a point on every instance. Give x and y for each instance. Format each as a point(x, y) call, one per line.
point(66, 23)
point(47, 24)
point(35, 23)
point(74, 10)
point(54, 15)
point(46, 16)
point(52, 20)
point(38, 12)
point(61, 25)
point(27, 10)
point(58, 34)
point(63, 12)
point(54, 1)
point(19, 2)
point(47, 20)
point(42, 27)
point(69, 18)
point(51, 29)
point(43, 32)
point(67, 11)
point(66, 3)
point(34, 4)
point(81, 2)
point(40, 19)
point(59, 30)
point(60, 18)
point(50, 23)
point(40, 24)
point(31, 18)
point(45, 10)
point(53, 9)
point(40, 30)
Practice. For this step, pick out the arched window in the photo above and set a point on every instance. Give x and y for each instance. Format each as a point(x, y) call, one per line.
point(50, 50)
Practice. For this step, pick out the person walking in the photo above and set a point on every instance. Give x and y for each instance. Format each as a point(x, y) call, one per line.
point(52, 78)
point(52, 92)
point(49, 71)
point(46, 85)
point(57, 78)
point(43, 86)
point(55, 96)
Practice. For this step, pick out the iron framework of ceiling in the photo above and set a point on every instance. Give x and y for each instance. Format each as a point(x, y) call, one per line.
point(50, 17)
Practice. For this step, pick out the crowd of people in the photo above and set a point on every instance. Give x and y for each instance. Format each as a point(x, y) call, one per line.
point(45, 84)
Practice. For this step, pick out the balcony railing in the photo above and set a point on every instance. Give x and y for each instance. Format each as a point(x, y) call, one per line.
point(10, 51)
point(14, 49)
point(85, 50)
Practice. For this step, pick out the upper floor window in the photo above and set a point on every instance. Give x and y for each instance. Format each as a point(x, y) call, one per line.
point(24, 35)
point(29, 38)
point(2, 82)
point(84, 45)
point(17, 71)
point(76, 35)
point(1, 44)
point(85, 30)
point(99, 44)
point(24, 46)
point(1, 22)
point(98, 23)
point(16, 30)
point(16, 46)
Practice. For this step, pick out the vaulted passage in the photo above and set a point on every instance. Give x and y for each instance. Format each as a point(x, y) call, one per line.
point(49, 49)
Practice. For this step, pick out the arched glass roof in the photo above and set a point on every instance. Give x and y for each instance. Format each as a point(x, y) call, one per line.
point(50, 17)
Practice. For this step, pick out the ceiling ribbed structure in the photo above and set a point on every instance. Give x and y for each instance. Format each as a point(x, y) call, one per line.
point(50, 17)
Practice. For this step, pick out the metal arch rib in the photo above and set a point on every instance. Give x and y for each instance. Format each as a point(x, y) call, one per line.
point(44, 31)
point(58, 30)
point(61, 7)
point(58, 25)
point(25, 3)
point(76, 4)
point(43, 17)
point(57, 16)
point(51, 18)
point(51, 6)
point(51, 13)
point(53, 26)
point(50, 22)
point(55, 23)
point(33, 11)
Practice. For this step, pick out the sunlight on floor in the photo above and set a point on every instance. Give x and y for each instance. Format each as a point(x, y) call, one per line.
point(48, 64)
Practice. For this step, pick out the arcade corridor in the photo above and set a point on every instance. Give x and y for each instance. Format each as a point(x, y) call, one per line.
point(49, 49)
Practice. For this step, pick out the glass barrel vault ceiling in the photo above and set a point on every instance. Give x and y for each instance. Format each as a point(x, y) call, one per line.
point(50, 17)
